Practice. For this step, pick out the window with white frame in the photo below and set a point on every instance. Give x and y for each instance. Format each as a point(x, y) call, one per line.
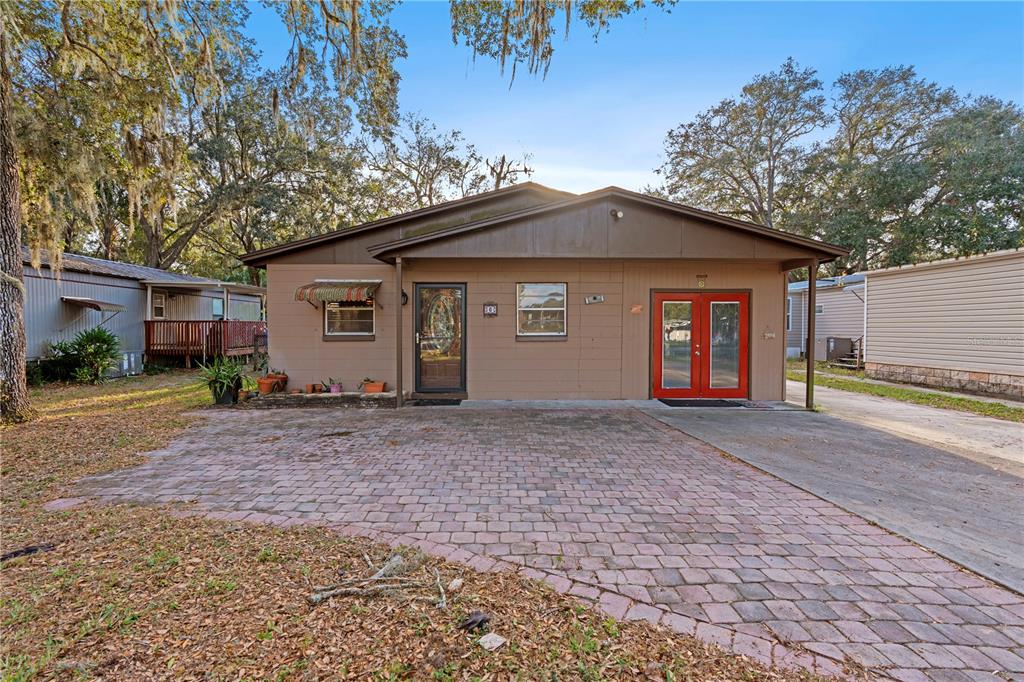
point(218, 308)
point(819, 309)
point(349, 318)
point(789, 313)
point(159, 306)
point(540, 308)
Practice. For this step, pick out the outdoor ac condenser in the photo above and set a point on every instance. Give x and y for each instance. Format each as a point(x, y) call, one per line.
point(838, 347)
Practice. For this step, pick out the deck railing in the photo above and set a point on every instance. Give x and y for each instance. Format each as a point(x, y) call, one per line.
point(203, 338)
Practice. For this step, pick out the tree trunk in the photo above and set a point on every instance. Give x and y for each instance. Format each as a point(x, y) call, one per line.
point(14, 405)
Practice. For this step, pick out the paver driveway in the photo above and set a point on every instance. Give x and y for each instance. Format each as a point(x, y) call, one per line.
point(615, 507)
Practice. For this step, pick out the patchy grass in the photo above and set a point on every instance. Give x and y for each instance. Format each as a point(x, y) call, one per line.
point(140, 593)
point(909, 395)
point(798, 365)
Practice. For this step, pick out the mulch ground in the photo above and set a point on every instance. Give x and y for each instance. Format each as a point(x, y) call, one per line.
point(139, 593)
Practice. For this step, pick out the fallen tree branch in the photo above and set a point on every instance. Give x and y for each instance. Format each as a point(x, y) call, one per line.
point(443, 603)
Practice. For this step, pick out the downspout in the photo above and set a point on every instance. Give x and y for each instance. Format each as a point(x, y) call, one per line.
point(398, 332)
point(812, 291)
point(864, 336)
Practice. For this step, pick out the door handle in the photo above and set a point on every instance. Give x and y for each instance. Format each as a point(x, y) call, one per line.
point(417, 338)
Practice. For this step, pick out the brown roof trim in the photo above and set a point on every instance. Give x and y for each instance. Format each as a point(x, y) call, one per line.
point(256, 257)
point(831, 251)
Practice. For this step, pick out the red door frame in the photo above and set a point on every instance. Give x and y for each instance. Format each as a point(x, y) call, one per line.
point(657, 335)
point(700, 358)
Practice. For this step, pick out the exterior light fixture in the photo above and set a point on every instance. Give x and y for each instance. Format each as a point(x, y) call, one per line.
point(616, 214)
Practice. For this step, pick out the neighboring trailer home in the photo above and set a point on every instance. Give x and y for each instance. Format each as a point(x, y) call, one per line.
point(153, 312)
point(955, 323)
point(840, 313)
point(532, 293)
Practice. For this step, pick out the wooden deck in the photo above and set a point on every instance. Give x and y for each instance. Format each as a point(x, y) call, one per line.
point(202, 339)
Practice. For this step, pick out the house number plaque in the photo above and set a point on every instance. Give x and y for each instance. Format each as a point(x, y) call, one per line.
point(490, 309)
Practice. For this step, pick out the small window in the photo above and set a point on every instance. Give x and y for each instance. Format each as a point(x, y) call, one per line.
point(819, 309)
point(349, 318)
point(218, 308)
point(540, 309)
point(159, 306)
point(789, 313)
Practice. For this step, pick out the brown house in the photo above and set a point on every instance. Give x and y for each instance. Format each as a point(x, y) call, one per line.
point(529, 292)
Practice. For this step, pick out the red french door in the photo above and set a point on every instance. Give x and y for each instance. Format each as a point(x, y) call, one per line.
point(699, 345)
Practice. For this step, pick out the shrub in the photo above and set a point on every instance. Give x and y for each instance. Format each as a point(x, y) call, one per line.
point(97, 350)
point(85, 359)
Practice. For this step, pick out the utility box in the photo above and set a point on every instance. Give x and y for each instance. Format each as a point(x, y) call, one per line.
point(838, 347)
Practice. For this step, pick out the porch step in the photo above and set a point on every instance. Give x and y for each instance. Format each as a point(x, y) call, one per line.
point(455, 395)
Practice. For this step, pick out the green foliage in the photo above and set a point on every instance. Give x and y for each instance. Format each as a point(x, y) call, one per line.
point(912, 171)
point(97, 351)
point(85, 359)
point(223, 374)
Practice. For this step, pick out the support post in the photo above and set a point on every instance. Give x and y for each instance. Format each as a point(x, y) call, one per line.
point(812, 289)
point(149, 302)
point(398, 332)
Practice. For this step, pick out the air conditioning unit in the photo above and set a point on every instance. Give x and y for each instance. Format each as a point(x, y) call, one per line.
point(838, 347)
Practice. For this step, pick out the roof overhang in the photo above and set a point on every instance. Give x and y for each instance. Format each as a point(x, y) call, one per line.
point(259, 258)
point(93, 304)
point(212, 285)
point(823, 251)
point(338, 290)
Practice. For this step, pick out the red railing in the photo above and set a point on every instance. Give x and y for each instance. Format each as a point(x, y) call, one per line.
point(202, 338)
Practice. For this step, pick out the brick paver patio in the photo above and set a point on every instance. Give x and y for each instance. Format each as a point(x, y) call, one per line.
point(611, 506)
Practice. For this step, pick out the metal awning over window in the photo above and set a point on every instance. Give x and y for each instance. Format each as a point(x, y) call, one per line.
point(336, 290)
point(93, 304)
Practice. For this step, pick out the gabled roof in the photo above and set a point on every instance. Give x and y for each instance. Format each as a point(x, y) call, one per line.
point(346, 232)
point(830, 251)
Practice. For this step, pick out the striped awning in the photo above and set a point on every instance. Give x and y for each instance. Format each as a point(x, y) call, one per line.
point(334, 290)
point(92, 303)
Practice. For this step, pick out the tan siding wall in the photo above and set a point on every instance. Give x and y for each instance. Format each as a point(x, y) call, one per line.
point(966, 315)
point(842, 313)
point(605, 355)
point(295, 328)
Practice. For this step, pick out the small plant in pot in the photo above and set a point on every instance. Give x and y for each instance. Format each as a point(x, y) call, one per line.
point(332, 385)
point(282, 379)
point(224, 377)
point(368, 385)
point(267, 384)
point(248, 389)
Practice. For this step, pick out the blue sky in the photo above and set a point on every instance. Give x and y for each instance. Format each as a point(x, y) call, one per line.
point(600, 116)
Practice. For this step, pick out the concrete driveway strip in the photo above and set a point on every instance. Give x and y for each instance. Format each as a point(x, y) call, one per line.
point(995, 442)
point(962, 509)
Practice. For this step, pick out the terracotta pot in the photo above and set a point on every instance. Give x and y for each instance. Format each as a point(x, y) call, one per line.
point(282, 381)
point(266, 385)
point(243, 395)
point(296, 391)
point(374, 386)
point(309, 388)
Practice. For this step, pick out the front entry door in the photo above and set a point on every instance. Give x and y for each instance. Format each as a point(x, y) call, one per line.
point(699, 345)
point(440, 338)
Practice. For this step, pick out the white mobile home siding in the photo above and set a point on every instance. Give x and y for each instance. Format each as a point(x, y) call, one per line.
point(48, 319)
point(965, 315)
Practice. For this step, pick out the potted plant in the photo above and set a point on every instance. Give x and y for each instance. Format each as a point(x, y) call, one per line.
point(224, 377)
point(267, 384)
point(282, 378)
point(248, 388)
point(332, 385)
point(368, 385)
